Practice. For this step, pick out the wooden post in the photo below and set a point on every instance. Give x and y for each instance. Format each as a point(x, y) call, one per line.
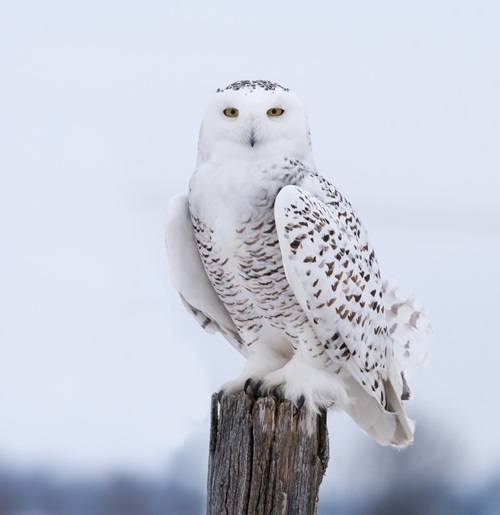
point(264, 459)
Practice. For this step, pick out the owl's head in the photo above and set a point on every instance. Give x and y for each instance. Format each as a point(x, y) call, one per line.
point(254, 119)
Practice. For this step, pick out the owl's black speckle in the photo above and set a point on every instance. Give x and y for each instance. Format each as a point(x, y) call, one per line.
point(251, 85)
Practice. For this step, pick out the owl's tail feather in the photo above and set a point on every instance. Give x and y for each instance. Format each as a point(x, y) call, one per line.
point(388, 426)
point(405, 427)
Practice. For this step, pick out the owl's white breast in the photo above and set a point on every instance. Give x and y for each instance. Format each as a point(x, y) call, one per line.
point(232, 210)
point(231, 191)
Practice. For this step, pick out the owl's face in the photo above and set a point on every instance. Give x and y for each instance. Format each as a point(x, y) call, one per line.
point(254, 119)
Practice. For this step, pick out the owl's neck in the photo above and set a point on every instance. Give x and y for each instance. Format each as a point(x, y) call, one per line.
point(241, 188)
point(240, 154)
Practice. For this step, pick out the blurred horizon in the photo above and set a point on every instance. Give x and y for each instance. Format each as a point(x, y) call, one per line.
point(414, 481)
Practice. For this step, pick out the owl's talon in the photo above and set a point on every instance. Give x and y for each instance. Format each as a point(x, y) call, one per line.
point(276, 392)
point(257, 387)
point(247, 384)
point(220, 394)
point(300, 404)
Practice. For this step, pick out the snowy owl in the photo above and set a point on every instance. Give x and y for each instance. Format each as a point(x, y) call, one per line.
point(270, 254)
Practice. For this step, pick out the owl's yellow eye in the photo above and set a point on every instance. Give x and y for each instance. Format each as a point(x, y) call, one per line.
point(231, 112)
point(275, 111)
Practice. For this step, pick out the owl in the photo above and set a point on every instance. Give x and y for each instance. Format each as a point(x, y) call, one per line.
point(267, 252)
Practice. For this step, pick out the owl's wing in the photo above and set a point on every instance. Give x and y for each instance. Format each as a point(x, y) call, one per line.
point(408, 326)
point(334, 274)
point(189, 277)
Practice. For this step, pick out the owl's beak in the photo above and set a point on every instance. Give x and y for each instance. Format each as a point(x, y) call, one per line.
point(252, 138)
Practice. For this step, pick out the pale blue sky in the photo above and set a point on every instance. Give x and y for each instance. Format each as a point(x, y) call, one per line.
point(100, 106)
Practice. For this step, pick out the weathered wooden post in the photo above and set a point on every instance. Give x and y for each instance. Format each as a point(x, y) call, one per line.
point(264, 459)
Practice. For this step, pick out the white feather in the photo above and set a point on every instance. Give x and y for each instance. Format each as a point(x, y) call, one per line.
point(408, 326)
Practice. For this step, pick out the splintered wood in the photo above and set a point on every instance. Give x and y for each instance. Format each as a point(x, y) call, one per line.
point(264, 459)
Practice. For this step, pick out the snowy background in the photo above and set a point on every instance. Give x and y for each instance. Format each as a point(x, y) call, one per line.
point(101, 368)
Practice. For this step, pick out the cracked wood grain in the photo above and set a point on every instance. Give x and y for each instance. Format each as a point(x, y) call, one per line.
point(263, 460)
